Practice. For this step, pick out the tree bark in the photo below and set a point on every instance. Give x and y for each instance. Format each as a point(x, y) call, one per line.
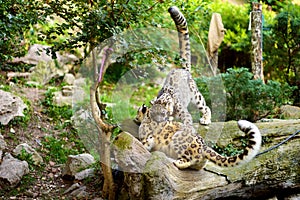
point(104, 132)
point(256, 41)
point(153, 176)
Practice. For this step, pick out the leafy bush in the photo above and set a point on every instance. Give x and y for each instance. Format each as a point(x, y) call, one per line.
point(247, 98)
point(282, 50)
point(15, 18)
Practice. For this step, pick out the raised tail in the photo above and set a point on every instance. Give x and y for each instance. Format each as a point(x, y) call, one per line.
point(183, 35)
point(249, 152)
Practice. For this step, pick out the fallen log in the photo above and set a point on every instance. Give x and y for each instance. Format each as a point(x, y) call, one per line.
point(153, 175)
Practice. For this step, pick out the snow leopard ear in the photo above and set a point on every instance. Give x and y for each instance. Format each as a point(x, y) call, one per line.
point(144, 108)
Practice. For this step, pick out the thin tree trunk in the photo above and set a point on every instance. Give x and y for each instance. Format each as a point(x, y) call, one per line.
point(104, 136)
point(256, 41)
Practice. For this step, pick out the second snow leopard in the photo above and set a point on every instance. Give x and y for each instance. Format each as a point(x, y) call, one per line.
point(179, 88)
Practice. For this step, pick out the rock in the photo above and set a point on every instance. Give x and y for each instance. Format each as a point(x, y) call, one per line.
point(67, 90)
point(33, 83)
point(2, 142)
point(61, 100)
point(154, 176)
point(36, 158)
point(12, 170)
point(80, 82)
point(129, 153)
point(69, 79)
point(2, 146)
point(38, 53)
point(10, 107)
point(11, 75)
point(71, 94)
point(80, 193)
point(85, 174)
point(290, 112)
point(72, 187)
point(77, 191)
point(12, 130)
point(293, 197)
point(43, 72)
point(45, 67)
point(77, 163)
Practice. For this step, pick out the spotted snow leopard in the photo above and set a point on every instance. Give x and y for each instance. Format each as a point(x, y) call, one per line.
point(179, 88)
point(187, 147)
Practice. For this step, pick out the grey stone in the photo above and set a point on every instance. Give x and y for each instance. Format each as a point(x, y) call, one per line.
point(38, 53)
point(36, 158)
point(2, 146)
point(80, 82)
point(77, 163)
point(85, 174)
point(2, 142)
point(67, 90)
point(12, 170)
point(69, 79)
point(43, 72)
point(72, 188)
point(10, 107)
point(61, 100)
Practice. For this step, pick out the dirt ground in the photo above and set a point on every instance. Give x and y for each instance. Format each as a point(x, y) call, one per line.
point(43, 182)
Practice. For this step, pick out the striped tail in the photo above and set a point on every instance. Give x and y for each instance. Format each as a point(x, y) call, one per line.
point(249, 152)
point(183, 34)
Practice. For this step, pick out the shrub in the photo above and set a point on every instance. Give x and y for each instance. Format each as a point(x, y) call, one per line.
point(247, 98)
point(15, 18)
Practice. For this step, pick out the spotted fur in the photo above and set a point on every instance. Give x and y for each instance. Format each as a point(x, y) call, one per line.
point(179, 88)
point(187, 147)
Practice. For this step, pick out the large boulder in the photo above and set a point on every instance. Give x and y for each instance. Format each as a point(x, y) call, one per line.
point(38, 53)
point(10, 107)
point(12, 170)
point(46, 67)
point(155, 176)
point(290, 112)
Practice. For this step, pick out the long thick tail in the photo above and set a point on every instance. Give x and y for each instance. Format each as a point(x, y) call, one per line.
point(183, 34)
point(249, 152)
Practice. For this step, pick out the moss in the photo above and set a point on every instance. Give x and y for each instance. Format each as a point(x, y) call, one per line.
point(123, 141)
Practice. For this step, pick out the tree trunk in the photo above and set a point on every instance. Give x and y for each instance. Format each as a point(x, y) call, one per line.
point(256, 41)
point(104, 129)
point(153, 176)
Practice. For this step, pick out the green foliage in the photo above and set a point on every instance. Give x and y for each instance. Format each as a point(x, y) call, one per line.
point(23, 120)
point(247, 98)
point(15, 18)
point(86, 24)
point(236, 20)
point(282, 50)
point(55, 112)
point(228, 150)
point(58, 149)
point(27, 157)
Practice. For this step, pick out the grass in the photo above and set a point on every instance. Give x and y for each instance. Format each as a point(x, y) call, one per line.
point(58, 148)
point(55, 112)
